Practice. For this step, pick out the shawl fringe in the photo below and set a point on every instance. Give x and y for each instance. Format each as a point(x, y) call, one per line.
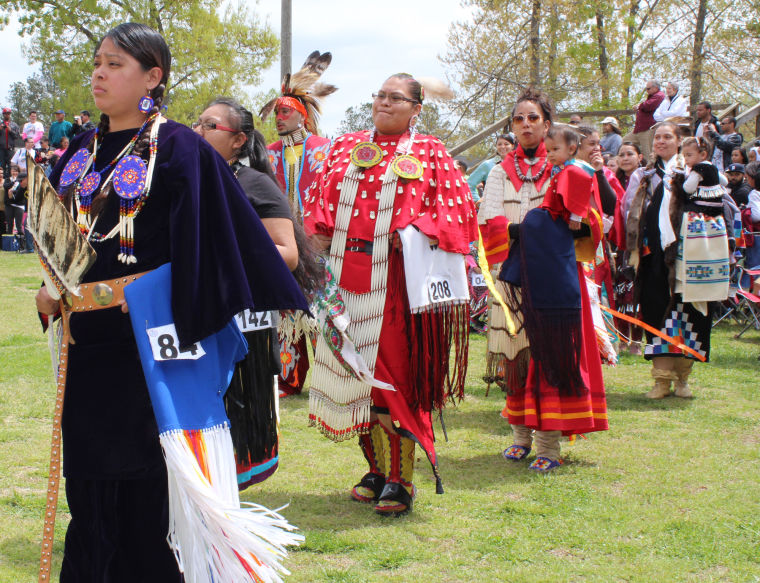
point(509, 375)
point(439, 343)
point(250, 402)
point(557, 361)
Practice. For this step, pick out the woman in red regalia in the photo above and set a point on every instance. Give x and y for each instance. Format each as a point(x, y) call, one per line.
point(397, 218)
point(556, 330)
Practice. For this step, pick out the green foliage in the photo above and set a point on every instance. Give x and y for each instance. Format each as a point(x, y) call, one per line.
point(356, 119)
point(216, 50)
point(267, 128)
point(669, 493)
point(597, 55)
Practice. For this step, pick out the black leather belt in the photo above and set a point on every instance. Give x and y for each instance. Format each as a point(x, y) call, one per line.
point(359, 246)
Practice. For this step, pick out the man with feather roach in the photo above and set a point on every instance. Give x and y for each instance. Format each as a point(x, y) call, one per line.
point(296, 158)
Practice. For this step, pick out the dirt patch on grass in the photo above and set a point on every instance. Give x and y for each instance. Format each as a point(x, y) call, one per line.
point(565, 554)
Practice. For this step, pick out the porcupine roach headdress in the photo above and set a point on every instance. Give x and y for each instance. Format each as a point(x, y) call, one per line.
point(302, 92)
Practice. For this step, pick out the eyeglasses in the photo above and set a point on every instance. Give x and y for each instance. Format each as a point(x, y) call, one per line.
point(207, 126)
point(531, 117)
point(394, 98)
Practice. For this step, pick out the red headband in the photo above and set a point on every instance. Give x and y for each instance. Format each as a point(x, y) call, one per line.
point(293, 103)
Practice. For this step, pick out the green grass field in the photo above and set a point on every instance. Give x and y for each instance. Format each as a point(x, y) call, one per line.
point(670, 493)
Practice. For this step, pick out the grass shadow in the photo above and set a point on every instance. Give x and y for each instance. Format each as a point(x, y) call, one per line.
point(332, 511)
point(23, 553)
point(483, 421)
point(639, 402)
point(480, 471)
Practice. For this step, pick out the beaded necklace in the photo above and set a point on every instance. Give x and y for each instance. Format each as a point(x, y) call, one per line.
point(131, 180)
point(531, 179)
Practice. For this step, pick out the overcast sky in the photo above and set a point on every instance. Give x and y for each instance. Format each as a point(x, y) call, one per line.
point(367, 45)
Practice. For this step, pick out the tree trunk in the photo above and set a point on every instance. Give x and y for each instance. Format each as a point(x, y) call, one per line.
point(554, 32)
point(535, 45)
point(698, 56)
point(603, 61)
point(630, 41)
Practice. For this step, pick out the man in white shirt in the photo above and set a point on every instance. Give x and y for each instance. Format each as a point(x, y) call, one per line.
point(705, 118)
point(33, 129)
point(674, 104)
point(19, 158)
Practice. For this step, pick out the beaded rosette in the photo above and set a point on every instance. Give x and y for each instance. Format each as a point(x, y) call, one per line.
point(406, 166)
point(129, 181)
point(366, 154)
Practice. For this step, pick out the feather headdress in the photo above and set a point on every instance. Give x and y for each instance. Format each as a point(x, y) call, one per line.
point(302, 89)
point(435, 89)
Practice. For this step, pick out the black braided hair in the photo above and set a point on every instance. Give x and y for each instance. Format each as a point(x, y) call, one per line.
point(255, 147)
point(149, 48)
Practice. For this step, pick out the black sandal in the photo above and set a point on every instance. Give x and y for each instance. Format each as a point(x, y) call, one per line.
point(397, 500)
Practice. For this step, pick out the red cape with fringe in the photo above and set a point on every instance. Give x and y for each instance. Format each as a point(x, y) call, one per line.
point(440, 205)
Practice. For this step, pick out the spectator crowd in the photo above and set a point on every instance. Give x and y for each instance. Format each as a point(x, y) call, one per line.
point(45, 148)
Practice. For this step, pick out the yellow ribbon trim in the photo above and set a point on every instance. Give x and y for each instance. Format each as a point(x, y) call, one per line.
point(483, 264)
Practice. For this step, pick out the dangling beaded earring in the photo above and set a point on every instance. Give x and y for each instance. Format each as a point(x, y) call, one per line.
point(413, 127)
point(145, 104)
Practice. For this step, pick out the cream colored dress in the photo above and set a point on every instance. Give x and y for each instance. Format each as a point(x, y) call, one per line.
point(507, 358)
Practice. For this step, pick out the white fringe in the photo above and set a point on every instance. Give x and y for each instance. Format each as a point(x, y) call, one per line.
point(338, 402)
point(294, 325)
point(209, 532)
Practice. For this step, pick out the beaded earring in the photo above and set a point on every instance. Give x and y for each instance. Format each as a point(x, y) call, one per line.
point(145, 104)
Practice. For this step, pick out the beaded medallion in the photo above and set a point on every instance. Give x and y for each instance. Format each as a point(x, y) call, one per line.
point(407, 167)
point(74, 168)
point(366, 154)
point(89, 184)
point(129, 177)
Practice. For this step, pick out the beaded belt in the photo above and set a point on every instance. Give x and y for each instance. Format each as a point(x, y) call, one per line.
point(97, 295)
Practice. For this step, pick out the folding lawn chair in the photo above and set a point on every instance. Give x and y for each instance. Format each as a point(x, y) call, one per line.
point(749, 303)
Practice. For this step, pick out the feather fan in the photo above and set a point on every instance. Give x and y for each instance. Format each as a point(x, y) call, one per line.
point(64, 252)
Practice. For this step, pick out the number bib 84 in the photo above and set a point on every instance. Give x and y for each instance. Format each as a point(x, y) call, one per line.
point(165, 345)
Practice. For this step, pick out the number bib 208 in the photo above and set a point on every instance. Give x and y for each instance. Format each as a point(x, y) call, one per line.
point(439, 289)
point(165, 345)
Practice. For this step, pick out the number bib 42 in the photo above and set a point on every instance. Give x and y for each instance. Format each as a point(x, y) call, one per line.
point(248, 321)
point(165, 345)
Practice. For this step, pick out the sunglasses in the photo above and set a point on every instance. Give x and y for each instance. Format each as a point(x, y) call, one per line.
point(531, 117)
point(207, 126)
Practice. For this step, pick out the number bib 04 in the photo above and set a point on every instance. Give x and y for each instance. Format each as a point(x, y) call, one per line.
point(247, 320)
point(165, 345)
point(478, 280)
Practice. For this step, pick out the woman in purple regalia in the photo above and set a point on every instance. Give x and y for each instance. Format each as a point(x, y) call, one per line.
point(145, 191)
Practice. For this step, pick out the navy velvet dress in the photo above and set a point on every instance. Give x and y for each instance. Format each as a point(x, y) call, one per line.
point(196, 217)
